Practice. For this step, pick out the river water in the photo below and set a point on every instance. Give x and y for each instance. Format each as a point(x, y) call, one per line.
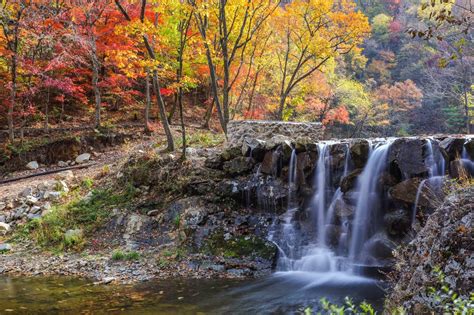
point(281, 293)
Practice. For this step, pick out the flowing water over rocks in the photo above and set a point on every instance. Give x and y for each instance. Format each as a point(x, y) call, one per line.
point(356, 202)
point(324, 216)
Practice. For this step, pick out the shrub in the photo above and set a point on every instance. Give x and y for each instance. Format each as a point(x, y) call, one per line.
point(119, 255)
point(85, 214)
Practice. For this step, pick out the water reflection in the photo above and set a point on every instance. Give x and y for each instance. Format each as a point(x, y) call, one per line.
point(282, 293)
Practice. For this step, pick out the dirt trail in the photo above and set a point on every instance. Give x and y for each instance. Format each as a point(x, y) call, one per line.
point(111, 158)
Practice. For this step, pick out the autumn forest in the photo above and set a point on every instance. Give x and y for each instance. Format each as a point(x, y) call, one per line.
point(362, 68)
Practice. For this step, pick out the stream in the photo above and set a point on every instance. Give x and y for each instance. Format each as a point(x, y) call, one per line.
point(281, 293)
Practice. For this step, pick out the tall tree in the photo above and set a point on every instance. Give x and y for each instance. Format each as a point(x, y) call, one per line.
point(308, 35)
point(145, 25)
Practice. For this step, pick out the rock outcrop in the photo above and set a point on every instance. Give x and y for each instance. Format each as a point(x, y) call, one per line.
point(447, 242)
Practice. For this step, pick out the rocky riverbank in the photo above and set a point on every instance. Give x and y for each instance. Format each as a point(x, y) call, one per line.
point(211, 215)
point(446, 243)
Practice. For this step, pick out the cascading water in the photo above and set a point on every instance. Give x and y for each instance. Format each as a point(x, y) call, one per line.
point(435, 162)
point(436, 165)
point(319, 201)
point(289, 240)
point(313, 251)
point(467, 163)
point(368, 201)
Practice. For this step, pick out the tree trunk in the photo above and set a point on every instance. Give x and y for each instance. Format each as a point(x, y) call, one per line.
point(13, 98)
point(46, 113)
point(95, 85)
point(173, 109)
point(148, 100)
point(466, 110)
point(252, 93)
point(215, 89)
point(183, 128)
point(282, 105)
point(207, 116)
point(162, 110)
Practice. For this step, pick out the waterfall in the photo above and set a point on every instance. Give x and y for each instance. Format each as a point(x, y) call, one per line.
point(417, 199)
point(436, 170)
point(428, 185)
point(289, 237)
point(435, 163)
point(292, 178)
point(319, 200)
point(467, 163)
point(368, 200)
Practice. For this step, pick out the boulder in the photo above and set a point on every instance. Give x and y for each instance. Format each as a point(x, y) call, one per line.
point(230, 153)
point(380, 247)
point(338, 155)
point(66, 175)
point(33, 165)
point(407, 155)
point(52, 195)
point(452, 147)
point(359, 151)
point(430, 194)
point(406, 191)
point(271, 162)
point(305, 164)
point(303, 144)
point(387, 180)
point(214, 162)
point(276, 141)
point(254, 148)
point(469, 148)
point(349, 182)
point(84, 157)
point(397, 222)
point(31, 200)
point(194, 216)
point(460, 168)
point(239, 165)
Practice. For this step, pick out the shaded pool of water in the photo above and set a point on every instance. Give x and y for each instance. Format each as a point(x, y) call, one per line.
point(281, 293)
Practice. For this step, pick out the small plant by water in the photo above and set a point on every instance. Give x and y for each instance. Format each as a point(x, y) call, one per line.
point(119, 255)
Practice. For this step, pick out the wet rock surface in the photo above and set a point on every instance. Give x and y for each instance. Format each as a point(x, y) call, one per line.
point(446, 241)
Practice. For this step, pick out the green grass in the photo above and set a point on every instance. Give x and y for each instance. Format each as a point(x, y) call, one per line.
point(49, 231)
point(119, 255)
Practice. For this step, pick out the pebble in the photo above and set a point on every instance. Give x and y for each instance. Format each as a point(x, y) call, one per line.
point(33, 165)
point(84, 157)
point(5, 247)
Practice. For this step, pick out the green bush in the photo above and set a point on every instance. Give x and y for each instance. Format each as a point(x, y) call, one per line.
point(130, 256)
point(86, 214)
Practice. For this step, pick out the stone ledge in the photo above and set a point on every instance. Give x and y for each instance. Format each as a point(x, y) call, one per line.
point(239, 130)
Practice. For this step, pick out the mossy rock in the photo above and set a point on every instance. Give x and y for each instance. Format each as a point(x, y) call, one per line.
point(249, 246)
